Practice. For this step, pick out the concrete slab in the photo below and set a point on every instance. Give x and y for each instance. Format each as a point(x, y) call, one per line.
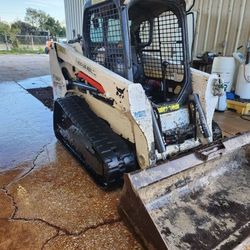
point(19, 67)
point(47, 79)
point(106, 237)
point(47, 200)
point(36, 82)
point(58, 190)
point(18, 234)
point(6, 208)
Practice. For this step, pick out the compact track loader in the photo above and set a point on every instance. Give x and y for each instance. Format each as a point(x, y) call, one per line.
point(126, 99)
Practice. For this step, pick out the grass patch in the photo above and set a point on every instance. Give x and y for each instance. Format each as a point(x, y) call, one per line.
point(22, 51)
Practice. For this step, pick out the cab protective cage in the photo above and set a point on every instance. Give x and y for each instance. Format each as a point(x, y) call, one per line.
point(141, 40)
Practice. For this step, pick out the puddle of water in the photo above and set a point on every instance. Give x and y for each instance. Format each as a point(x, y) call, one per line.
point(25, 126)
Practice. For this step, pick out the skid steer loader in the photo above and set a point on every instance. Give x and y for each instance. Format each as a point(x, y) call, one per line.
point(126, 99)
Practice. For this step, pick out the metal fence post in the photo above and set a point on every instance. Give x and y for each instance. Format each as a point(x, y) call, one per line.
point(6, 41)
point(32, 42)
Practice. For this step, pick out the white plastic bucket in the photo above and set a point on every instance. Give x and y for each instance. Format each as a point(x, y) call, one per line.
point(225, 67)
point(243, 82)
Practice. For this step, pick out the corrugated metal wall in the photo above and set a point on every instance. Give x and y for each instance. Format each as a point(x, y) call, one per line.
point(222, 25)
point(74, 16)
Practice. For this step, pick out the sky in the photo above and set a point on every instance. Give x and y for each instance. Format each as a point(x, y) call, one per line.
point(12, 10)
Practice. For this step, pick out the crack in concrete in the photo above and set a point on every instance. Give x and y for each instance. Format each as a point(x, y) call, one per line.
point(50, 239)
point(58, 228)
point(14, 205)
point(65, 231)
point(33, 163)
point(93, 227)
point(108, 222)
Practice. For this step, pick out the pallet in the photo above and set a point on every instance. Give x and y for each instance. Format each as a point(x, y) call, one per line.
point(242, 108)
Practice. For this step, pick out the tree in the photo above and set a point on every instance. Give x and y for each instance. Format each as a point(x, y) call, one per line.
point(54, 27)
point(11, 32)
point(25, 28)
point(35, 17)
point(62, 32)
point(44, 22)
point(4, 28)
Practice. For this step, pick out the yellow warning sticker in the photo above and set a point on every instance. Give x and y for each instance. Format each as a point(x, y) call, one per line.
point(168, 108)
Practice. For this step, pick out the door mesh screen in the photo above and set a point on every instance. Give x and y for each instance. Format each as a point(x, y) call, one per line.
point(166, 48)
point(104, 36)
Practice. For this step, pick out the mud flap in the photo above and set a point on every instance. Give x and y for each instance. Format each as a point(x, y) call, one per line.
point(193, 202)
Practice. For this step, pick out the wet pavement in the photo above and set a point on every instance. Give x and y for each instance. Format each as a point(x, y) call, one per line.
point(25, 126)
point(47, 200)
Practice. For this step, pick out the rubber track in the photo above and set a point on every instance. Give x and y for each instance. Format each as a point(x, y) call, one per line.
point(109, 156)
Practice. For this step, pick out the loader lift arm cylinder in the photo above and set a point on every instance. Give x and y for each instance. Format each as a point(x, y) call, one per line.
point(160, 145)
point(202, 116)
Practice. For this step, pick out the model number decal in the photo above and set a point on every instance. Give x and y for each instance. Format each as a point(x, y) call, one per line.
point(91, 71)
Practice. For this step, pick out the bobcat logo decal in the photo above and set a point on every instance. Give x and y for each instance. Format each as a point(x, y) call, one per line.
point(120, 92)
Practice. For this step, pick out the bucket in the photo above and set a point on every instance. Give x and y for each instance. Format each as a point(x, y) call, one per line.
point(243, 82)
point(225, 67)
point(198, 201)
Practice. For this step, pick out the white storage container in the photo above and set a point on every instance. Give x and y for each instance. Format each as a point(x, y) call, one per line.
point(243, 82)
point(225, 67)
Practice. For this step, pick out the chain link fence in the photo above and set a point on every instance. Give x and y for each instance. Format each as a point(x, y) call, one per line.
point(23, 42)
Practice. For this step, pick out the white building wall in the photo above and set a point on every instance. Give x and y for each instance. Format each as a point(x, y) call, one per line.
point(74, 17)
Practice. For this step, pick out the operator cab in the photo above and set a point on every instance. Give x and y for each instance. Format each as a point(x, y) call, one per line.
point(143, 41)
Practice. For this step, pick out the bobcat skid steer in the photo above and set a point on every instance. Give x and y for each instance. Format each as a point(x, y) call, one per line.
point(126, 99)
